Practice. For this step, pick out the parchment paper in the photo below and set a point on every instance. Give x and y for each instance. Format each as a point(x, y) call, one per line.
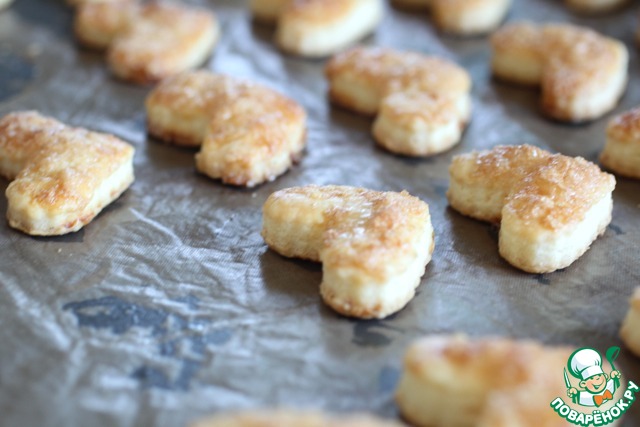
point(169, 306)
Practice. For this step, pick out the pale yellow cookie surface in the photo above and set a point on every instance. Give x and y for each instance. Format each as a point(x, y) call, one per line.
point(146, 43)
point(249, 133)
point(621, 153)
point(318, 28)
point(62, 177)
point(582, 74)
point(550, 207)
point(422, 102)
point(491, 382)
point(373, 245)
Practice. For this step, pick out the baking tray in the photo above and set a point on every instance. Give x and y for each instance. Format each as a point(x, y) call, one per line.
point(169, 306)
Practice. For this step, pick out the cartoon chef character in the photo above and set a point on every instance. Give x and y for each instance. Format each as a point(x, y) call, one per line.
point(598, 387)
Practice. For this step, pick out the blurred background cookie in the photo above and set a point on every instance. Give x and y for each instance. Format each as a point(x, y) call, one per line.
point(452, 380)
point(581, 73)
point(621, 153)
point(317, 28)
point(147, 42)
point(249, 133)
point(422, 102)
point(462, 17)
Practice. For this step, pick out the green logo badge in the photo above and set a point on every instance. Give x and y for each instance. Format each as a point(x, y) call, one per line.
point(592, 387)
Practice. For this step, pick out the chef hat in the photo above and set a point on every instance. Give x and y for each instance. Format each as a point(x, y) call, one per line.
point(585, 363)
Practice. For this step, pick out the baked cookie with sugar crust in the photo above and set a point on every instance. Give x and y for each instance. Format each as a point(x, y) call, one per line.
point(550, 207)
point(97, 24)
point(292, 418)
point(422, 102)
point(621, 153)
point(373, 246)
point(248, 133)
point(62, 177)
point(147, 42)
point(462, 17)
point(581, 73)
point(490, 382)
point(319, 28)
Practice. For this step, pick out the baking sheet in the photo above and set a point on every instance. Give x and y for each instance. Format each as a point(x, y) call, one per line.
point(168, 306)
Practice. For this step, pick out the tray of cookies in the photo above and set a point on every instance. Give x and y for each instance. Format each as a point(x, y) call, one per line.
point(320, 212)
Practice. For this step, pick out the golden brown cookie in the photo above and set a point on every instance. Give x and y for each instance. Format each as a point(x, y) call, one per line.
point(146, 43)
point(422, 102)
point(249, 133)
point(582, 74)
point(550, 207)
point(317, 28)
point(621, 153)
point(373, 246)
point(62, 177)
point(491, 382)
point(462, 17)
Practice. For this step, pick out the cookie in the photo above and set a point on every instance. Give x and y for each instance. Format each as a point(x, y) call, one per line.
point(490, 382)
point(97, 24)
point(550, 207)
point(248, 133)
point(319, 28)
point(146, 43)
point(62, 177)
point(462, 17)
point(621, 153)
point(581, 73)
point(373, 246)
point(422, 102)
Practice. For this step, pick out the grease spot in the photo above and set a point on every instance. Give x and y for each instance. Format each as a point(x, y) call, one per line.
point(117, 315)
point(494, 232)
point(372, 333)
point(616, 229)
point(543, 279)
point(179, 341)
